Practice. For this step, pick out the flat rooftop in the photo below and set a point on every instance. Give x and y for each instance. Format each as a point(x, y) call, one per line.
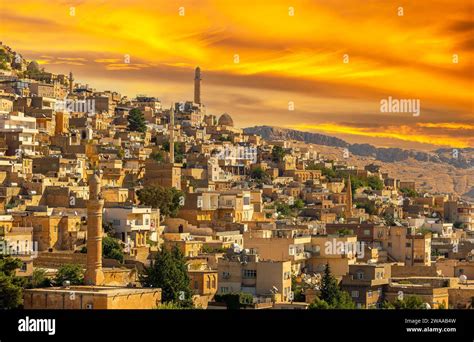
point(99, 290)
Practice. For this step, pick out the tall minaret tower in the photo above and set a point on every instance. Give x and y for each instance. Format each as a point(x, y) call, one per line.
point(197, 85)
point(94, 274)
point(171, 128)
point(349, 197)
point(71, 83)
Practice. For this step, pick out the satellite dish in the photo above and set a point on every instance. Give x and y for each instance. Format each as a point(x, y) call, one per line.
point(462, 278)
point(427, 306)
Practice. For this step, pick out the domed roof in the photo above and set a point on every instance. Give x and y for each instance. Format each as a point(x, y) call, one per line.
point(33, 66)
point(225, 120)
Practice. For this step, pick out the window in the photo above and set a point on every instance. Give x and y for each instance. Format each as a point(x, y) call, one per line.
point(224, 289)
point(317, 250)
point(355, 294)
point(408, 244)
point(367, 232)
point(250, 273)
point(196, 284)
point(225, 275)
point(360, 275)
point(23, 267)
point(369, 294)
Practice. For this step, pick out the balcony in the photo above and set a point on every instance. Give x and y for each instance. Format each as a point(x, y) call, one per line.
point(138, 226)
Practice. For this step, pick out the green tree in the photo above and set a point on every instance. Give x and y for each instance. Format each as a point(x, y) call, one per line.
point(173, 306)
point(158, 156)
point(357, 182)
point(408, 303)
point(71, 272)
point(5, 60)
point(345, 231)
point(108, 228)
point(298, 289)
point(224, 138)
point(368, 206)
point(327, 172)
point(178, 150)
point(39, 279)
point(168, 200)
point(319, 304)
point(331, 294)
point(375, 183)
point(409, 192)
point(258, 173)
point(168, 272)
point(11, 292)
point(136, 121)
point(329, 288)
point(283, 209)
point(278, 153)
point(112, 249)
point(298, 204)
point(234, 301)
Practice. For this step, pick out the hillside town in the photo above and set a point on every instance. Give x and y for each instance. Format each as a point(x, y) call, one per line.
point(110, 202)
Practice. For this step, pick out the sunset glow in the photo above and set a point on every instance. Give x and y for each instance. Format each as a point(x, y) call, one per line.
point(257, 58)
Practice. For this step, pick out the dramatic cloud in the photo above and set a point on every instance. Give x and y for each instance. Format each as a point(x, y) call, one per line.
point(256, 58)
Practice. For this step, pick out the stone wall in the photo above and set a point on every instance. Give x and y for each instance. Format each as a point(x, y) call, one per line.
point(414, 271)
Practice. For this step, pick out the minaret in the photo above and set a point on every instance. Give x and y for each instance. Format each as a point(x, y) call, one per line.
point(197, 85)
point(171, 135)
point(94, 274)
point(349, 197)
point(71, 83)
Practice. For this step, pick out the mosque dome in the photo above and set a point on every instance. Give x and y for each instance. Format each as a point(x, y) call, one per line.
point(33, 66)
point(225, 120)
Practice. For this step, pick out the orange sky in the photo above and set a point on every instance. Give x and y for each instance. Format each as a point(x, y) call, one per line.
point(282, 58)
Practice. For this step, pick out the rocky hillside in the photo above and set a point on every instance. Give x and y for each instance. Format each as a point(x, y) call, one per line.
point(428, 176)
point(459, 158)
point(276, 133)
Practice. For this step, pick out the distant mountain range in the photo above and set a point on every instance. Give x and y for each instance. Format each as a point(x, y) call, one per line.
point(460, 158)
